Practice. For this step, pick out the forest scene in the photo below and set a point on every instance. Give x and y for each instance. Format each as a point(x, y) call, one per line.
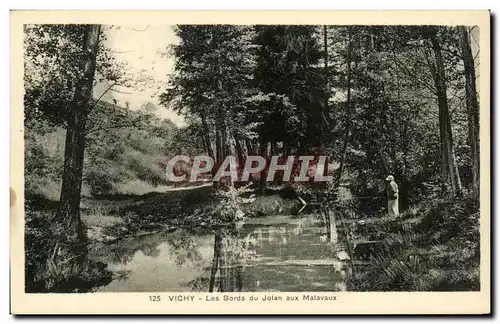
point(394, 109)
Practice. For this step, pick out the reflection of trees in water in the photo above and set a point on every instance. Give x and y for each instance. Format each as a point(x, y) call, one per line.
point(329, 217)
point(225, 272)
point(233, 250)
point(183, 245)
point(228, 252)
point(124, 250)
point(275, 258)
point(265, 249)
point(185, 248)
point(151, 251)
point(201, 283)
point(273, 234)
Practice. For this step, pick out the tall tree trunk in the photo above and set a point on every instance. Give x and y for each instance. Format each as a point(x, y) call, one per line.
point(263, 173)
point(449, 165)
point(220, 151)
point(472, 105)
point(250, 150)
point(206, 136)
point(67, 261)
point(241, 150)
point(231, 147)
point(325, 111)
point(347, 130)
point(220, 129)
point(286, 148)
point(68, 214)
point(273, 148)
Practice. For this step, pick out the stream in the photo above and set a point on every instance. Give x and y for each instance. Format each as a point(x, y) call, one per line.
point(276, 253)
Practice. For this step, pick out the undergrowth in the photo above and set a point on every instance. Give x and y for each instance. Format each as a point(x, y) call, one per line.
point(431, 247)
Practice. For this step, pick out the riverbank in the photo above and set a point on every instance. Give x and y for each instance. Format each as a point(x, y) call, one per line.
point(433, 246)
point(117, 217)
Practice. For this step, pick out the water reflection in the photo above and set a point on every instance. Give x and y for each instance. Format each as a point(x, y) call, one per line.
point(289, 256)
point(227, 258)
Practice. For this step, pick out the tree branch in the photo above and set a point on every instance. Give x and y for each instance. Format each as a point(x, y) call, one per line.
point(122, 52)
point(122, 92)
point(140, 30)
point(457, 106)
point(477, 54)
point(411, 74)
point(102, 95)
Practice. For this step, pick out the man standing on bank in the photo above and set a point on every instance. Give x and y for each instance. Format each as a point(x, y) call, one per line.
point(392, 196)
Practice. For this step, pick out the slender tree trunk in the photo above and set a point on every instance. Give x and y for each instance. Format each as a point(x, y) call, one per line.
point(405, 183)
point(250, 147)
point(231, 147)
point(68, 214)
point(449, 165)
point(220, 129)
point(219, 148)
point(329, 214)
point(273, 149)
point(67, 261)
point(326, 110)
point(241, 154)
point(206, 136)
point(347, 130)
point(286, 148)
point(263, 174)
point(472, 105)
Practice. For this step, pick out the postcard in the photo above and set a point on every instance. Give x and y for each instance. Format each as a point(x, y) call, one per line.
point(250, 162)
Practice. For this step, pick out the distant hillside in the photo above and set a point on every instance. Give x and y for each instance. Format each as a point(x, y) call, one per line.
point(128, 148)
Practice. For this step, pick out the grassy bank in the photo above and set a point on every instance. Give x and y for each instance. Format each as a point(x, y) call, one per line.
point(105, 219)
point(434, 246)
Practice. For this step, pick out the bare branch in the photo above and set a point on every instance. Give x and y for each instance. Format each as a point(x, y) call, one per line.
point(455, 94)
point(475, 40)
point(407, 71)
point(102, 94)
point(122, 52)
point(140, 30)
point(477, 54)
point(122, 92)
point(457, 106)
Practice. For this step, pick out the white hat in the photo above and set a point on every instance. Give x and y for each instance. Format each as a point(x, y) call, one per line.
point(389, 178)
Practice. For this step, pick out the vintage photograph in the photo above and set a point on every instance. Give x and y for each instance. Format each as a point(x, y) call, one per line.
point(218, 158)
